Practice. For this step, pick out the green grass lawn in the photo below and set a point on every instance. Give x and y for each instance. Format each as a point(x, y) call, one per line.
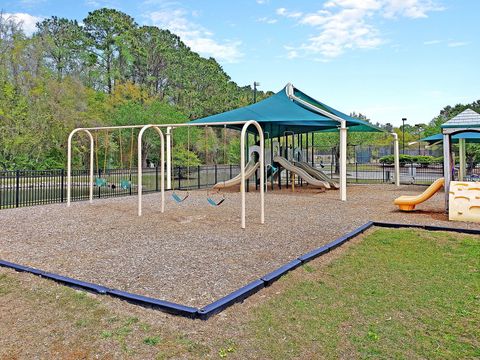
point(393, 294)
point(397, 294)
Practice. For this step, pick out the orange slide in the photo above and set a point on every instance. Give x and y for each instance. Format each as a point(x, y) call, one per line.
point(407, 203)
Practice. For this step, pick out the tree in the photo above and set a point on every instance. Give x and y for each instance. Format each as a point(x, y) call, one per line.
point(111, 32)
point(64, 44)
point(105, 71)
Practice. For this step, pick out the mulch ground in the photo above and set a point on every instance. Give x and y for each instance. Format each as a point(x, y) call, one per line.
point(194, 254)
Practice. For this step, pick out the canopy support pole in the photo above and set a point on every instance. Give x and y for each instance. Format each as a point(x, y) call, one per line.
point(446, 167)
point(461, 153)
point(243, 146)
point(343, 139)
point(169, 157)
point(396, 157)
point(343, 160)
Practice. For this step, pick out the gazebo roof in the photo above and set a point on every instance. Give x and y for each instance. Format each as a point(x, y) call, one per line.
point(467, 119)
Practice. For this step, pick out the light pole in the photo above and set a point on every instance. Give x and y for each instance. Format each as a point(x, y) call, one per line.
point(255, 84)
point(403, 135)
point(419, 130)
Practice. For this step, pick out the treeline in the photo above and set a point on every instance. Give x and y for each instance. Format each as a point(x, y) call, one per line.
point(106, 70)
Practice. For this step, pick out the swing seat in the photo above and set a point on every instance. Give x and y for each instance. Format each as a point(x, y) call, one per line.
point(178, 199)
point(214, 203)
point(125, 184)
point(100, 182)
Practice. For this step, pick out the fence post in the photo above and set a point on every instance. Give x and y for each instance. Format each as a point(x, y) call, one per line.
point(230, 171)
point(383, 172)
point(198, 176)
point(356, 171)
point(131, 185)
point(63, 185)
point(99, 188)
point(17, 188)
point(156, 178)
point(216, 174)
point(179, 177)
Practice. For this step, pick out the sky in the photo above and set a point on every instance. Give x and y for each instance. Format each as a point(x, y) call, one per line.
point(387, 59)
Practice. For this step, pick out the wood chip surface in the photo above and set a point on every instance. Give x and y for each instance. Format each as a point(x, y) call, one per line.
point(194, 253)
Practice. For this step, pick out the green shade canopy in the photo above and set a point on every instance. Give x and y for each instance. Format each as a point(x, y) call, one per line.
point(470, 137)
point(280, 113)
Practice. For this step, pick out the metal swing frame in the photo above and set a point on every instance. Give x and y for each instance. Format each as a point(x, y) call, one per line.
point(157, 127)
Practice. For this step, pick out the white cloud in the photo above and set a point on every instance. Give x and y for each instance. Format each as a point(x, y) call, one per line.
point(432, 42)
point(262, 2)
point(457, 43)
point(101, 3)
point(31, 3)
point(194, 35)
point(292, 54)
point(355, 4)
point(26, 21)
point(410, 8)
point(267, 20)
point(288, 14)
point(342, 25)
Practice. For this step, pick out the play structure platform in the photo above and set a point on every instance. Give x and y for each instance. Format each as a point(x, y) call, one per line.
point(464, 201)
point(408, 203)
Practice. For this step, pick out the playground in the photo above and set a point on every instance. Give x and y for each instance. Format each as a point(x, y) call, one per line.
point(194, 253)
point(195, 246)
point(197, 250)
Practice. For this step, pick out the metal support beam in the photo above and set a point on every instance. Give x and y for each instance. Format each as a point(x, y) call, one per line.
point(396, 156)
point(169, 157)
point(343, 160)
point(447, 170)
point(69, 165)
point(162, 168)
point(461, 155)
point(262, 169)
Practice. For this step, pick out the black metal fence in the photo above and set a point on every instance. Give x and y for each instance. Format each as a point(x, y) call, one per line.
point(35, 187)
point(32, 187)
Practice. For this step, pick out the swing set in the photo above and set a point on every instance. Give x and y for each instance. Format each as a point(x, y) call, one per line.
point(210, 195)
point(93, 148)
point(125, 182)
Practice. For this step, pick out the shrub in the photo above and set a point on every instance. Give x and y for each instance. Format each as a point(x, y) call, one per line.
point(404, 159)
point(423, 160)
point(389, 159)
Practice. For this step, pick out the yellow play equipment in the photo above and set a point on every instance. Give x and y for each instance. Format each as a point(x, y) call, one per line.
point(464, 201)
point(407, 203)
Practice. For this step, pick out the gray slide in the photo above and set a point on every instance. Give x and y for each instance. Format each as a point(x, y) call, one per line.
point(301, 173)
point(316, 173)
point(250, 169)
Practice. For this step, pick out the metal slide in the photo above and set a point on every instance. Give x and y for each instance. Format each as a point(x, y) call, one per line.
point(250, 169)
point(301, 173)
point(316, 173)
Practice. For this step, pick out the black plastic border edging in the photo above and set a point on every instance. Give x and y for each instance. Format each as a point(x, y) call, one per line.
point(234, 297)
point(162, 305)
point(426, 227)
